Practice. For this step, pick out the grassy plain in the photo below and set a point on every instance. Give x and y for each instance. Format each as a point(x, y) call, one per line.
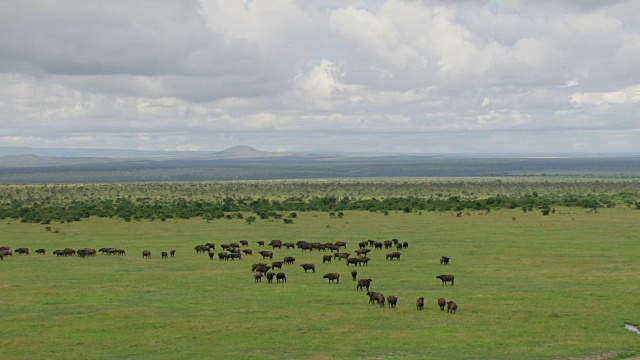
point(537, 287)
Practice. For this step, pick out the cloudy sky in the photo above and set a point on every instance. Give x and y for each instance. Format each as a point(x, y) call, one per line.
point(432, 76)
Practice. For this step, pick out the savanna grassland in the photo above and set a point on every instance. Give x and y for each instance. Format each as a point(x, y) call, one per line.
point(528, 286)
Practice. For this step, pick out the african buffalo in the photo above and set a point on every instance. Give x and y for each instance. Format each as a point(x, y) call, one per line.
point(420, 303)
point(393, 255)
point(234, 256)
point(40, 251)
point(244, 243)
point(277, 264)
point(377, 245)
point(5, 248)
point(326, 258)
point(172, 253)
point(289, 260)
point(262, 268)
point(441, 303)
point(362, 244)
point(392, 300)
point(266, 254)
point(376, 297)
point(281, 276)
point(210, 245)
point(260, 243)
point(146, 254)
point(340, 244)
point(212, 255)
point(257, 276)
point(22, 251)
point(444, 260)
point(308, 267)
point(254, 266)
point(165, 255)
point(305, 247)
point(387, 244)
point(363, 283)
point(340, 256)
point(452, 307)
point(333, 277)
point(405, 245)
point(270, 276)
point(354, 274)
point(354, 261)
point(363, 260)
point(247, 252)
point(445, 279)
point(289, 245)
point(276, 244)
point(362, 252)
point(202, 249)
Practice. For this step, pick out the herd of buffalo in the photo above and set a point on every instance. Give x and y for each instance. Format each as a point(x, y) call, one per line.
point(234, 251)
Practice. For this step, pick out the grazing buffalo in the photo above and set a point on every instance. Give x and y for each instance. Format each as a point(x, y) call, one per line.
point(57, 252)
point(212, 255)
point(276, 244)
point(254, 266)
point(266, 254)
point(277, 264)
point(444, 260)
point(308, 267)
point(172, 253)
point(146, 254)
point(405, 245)
point(354, 261)
point(376, 297)
point(420, 303)
point(210, 245)
point(363, 283)
point(452, 307)
point(354, 274)
point(202, 249)
point(247, 252)
point(40, 251)
point(234, 256)
point(377, 245)
point(244, 243)
point(68, 252)
point(165, 255)
point(289, 260)
point(445, 279)
point(362, 252)
point(326, 258)
point(341, 244)
point(392, 300)
point(263, 268)
point(393, 255)
point(281, 277)
point(270, 276)
point(399, 247)
point(441, 303)
point(257, 276)
point(362, 244)
point(260, 243)
point(387, 244)
point(22, 251)
point(364, 260)
point(333, 277)
point(340, 256)
point(289, 245)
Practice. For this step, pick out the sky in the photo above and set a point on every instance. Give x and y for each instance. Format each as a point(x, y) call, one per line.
point(432, 76)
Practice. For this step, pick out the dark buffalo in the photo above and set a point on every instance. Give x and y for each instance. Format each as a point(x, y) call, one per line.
point(354, 274)
point(308, 267)
point(362, 244)
point(234, 256)
point(244, 243)
point(68, 252)
point(393, 255)
point(392, 300)
point(341, 244)
point(444, 260)
point(333, 277)
point(362, 252)
point(354, 261)
point(260, 243)
point(289, 260)
point(165, 255)
point(281, 276)
point(326, 258)
point(210, 245)
point(364, 260)
point(387, 244)
point(202, 249)
point(441, 303)
point(371, 242)
point(276, 244)
point(289, 245)
point(5, 248)
point(22, 251)
point(270, 276)
point(41, 251)
point(452, 307)
point(445, 279)
point(377, 245)
point(395, 241)
point(257, 276)
point(277, 264)
point(247, 252)
point(266, 254)
point(212, 255)
point(405, 245)
point(399, 247)
point(420, 303)
point(376, 297)
point(122, 252)
point(305, 247)
point(146, 254)
point(172, 253)
point(58, 252)
point(263, 268)
point(340, 256)
point(363, 283)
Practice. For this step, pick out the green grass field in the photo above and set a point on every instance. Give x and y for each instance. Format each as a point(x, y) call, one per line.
point(537, 287)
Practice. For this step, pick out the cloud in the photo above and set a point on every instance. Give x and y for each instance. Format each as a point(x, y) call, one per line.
point(360, 75)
